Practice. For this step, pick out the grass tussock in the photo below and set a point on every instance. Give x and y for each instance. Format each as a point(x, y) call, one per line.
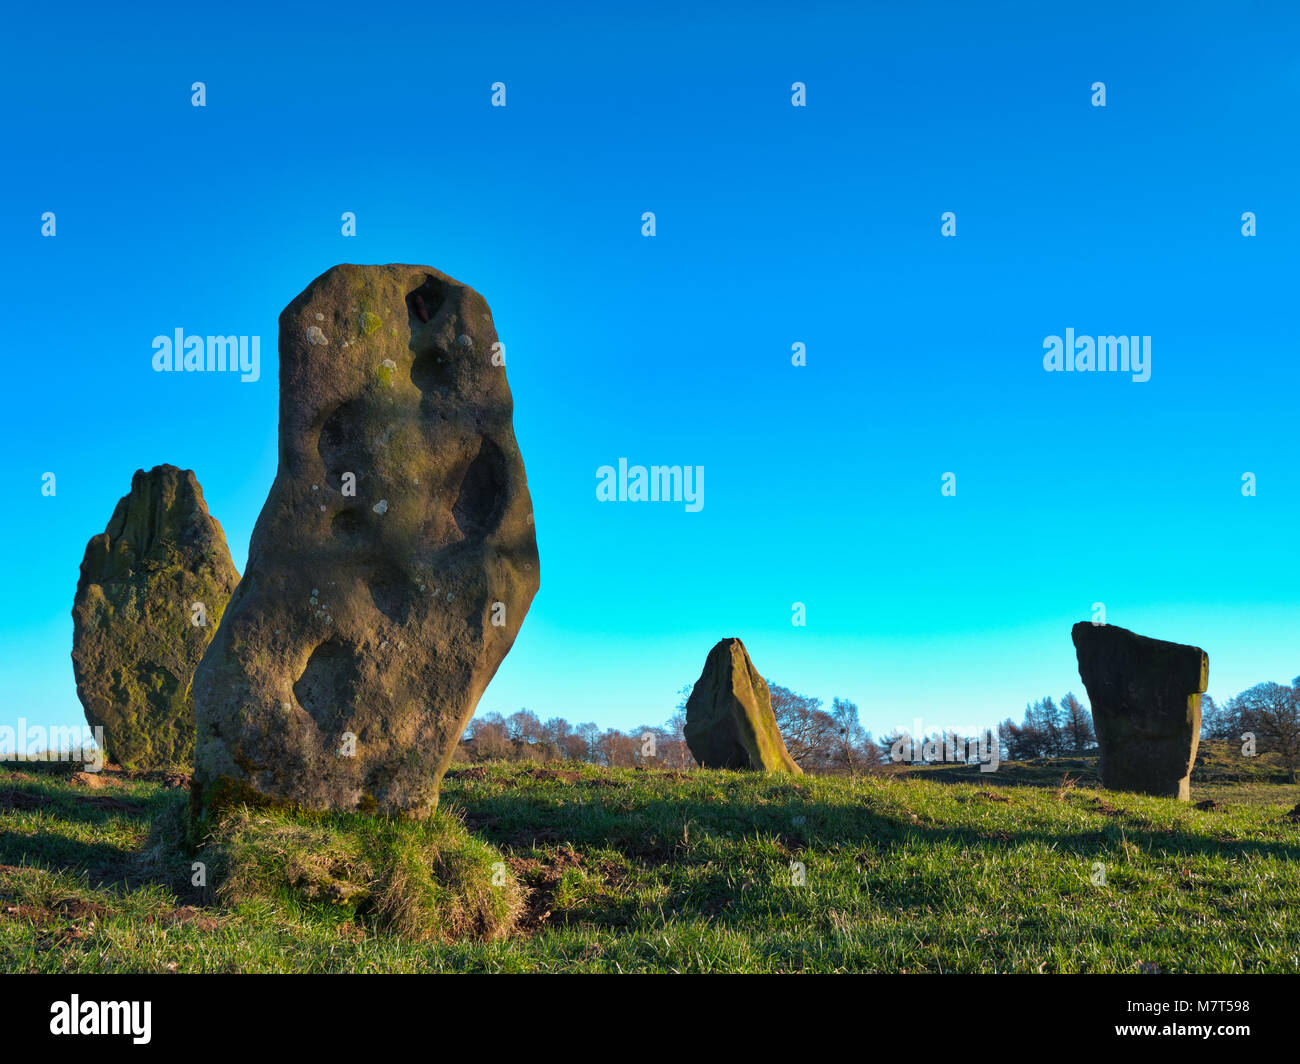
point(420, 880)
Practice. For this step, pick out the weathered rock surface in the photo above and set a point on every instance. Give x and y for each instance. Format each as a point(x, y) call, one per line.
point(729, 718)
point(392, 565)
point(135, 643)
point(1146, 707)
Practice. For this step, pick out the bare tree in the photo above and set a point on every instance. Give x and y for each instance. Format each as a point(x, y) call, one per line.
point(1220, 721)
point(524, 727)
point(854, 749)
point(616, 749)
point(487, 737)
point(589, 732)
point(809, 732)
point(557, 730)
point(1272, 711)
point(676, 751)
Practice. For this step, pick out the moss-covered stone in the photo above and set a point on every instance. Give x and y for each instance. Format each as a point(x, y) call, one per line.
point(135, 643)
point(729, 718)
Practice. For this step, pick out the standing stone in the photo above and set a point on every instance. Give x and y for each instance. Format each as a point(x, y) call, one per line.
point(729, 718)
point(392, 565)
point(152, 590)
point(1146, 707)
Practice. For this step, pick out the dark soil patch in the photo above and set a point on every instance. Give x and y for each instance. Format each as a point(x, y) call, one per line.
point(554, 775)
point(169, 780)
point(11, 798)
point(541, 876)
point(117, 805)
point(1104, 807)
point(93, 780)
point(79, 910)
point(64, 909)
point(529, 838)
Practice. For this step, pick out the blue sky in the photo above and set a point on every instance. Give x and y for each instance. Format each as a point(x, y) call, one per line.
point(775, 225)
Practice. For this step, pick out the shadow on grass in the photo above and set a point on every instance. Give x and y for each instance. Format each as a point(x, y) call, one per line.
point(657, 830)
point(161, 858)
point(1041, 772)
point(92, 809)
point(103, 864)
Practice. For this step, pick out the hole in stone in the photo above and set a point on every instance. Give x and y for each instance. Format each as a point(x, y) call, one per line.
point(424, 303)
point(391, 593)
point(348, 524)
point(482, 498)
point(340, 445)
point(432, 369)
point(327, 686)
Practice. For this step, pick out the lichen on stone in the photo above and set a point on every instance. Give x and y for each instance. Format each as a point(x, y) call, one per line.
point(135, 646)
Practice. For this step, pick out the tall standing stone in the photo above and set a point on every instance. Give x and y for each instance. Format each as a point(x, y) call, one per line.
point(152, 590)
point(729, 718)
point(392, 564)
point(1146, 707)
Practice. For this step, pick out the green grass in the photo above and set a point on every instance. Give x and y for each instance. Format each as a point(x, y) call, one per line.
point(427, 880)
point(622, 870)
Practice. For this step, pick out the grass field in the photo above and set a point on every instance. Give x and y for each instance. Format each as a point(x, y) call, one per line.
point(558, 868)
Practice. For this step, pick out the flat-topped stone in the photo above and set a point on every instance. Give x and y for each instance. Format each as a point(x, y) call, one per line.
point(1146, 707)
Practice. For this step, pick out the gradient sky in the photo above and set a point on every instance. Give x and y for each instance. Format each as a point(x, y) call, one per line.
point(776, 225)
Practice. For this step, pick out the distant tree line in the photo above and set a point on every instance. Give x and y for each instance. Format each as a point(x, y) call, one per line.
point(523, 737)
point(833, 741)
point(820, 741)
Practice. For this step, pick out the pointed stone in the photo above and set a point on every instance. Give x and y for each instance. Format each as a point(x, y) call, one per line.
point(729, 718)
point(161, 566)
